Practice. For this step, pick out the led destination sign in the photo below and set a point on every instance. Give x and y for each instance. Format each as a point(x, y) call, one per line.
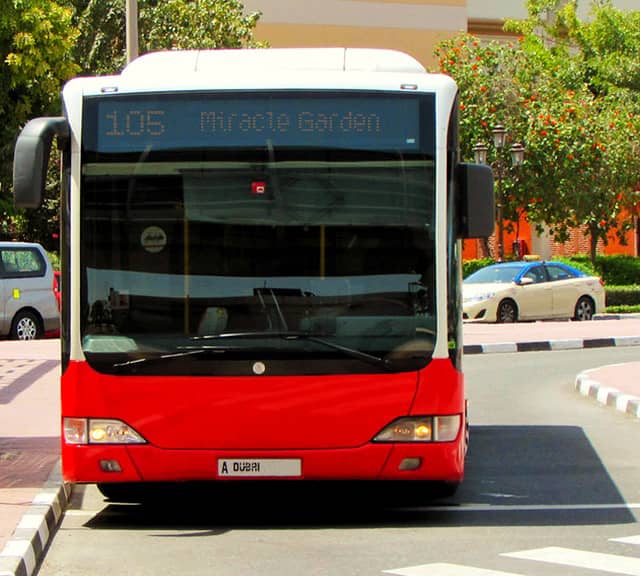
point(127, 124)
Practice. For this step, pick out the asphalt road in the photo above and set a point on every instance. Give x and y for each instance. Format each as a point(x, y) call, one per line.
point(551, 477)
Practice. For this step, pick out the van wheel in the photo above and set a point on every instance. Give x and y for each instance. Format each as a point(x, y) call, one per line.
point(26, 326)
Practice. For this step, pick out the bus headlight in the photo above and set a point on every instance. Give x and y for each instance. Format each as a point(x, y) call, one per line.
point(99, 431)
point(421, 429)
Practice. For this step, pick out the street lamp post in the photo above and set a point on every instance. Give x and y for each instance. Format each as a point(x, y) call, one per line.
point(499, 166)
point(131, 21)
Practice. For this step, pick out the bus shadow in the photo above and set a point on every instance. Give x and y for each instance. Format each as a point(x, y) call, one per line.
point(516, 475)
point(540, 475)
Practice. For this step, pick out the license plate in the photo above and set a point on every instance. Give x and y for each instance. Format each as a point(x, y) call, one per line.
point(257, 468)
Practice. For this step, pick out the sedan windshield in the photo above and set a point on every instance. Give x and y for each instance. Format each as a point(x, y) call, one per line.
point(494, 275)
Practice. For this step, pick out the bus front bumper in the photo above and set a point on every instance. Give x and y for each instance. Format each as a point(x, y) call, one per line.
point(145, 463)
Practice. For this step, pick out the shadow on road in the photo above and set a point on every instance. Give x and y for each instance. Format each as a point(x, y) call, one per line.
point(516, 475)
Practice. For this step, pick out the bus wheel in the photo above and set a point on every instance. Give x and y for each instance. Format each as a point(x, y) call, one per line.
point(443, 489)
point(26, 326)
point(120, 491)
point(423, 492)
point(138, 492)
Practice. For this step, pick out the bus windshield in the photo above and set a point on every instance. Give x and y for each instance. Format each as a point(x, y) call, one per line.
point(237, 235)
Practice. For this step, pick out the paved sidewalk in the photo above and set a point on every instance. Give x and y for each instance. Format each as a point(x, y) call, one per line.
point(33, 496)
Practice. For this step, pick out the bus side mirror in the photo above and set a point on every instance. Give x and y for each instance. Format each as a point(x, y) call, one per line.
point(476, 201)
point(31, 159)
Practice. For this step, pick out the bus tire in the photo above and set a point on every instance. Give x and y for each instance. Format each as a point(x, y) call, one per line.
point(121, 491)
point(422, 492)
point(443, 489)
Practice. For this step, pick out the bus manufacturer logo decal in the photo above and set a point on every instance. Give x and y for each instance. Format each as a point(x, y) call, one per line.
point(153, 239)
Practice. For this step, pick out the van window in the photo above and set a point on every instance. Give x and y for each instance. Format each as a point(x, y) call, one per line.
point(21, 263)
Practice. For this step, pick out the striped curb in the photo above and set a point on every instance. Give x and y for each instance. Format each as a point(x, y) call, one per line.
point(607, 395)
point(551, 345)
point(25, 549)
point(616, 316)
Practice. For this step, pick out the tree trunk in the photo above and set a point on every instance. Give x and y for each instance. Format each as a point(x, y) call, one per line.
point(593, 244)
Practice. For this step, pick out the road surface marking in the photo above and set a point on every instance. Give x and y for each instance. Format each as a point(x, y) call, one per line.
point(627, 540)
point(579, 558)
point(442, 569)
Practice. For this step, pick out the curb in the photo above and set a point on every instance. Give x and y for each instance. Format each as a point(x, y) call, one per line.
point(607, 395)
point(616, 316)
point(551, 345)
point(25, 549)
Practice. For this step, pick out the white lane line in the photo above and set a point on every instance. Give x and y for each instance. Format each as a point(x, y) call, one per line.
point(527, 507)
point(579, 558)
point(627, 540)
point(443, 569)
point(82, 513)
point(472, 508)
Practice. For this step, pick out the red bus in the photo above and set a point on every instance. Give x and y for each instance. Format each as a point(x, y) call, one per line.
point(261, 267)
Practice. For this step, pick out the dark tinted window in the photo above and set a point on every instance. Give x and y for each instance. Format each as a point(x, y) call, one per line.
point(558, 272)
point(21, 262)
point(313, 259)
point(536, 274)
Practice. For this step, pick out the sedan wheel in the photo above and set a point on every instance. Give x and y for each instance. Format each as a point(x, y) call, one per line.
point(584, 309)
point(507, 312)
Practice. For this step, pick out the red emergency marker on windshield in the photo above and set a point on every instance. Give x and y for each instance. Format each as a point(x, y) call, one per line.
point(258, 188)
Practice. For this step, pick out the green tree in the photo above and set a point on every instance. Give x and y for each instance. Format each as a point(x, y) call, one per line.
point(607, 45)
point(36, 41)
point(45, 42)
point(163, 25)
point(582, 153)
point(101, 44)
point(493, 78)
point(590, 94)
point(185, 24)
point(580, 128)
point(610, 48)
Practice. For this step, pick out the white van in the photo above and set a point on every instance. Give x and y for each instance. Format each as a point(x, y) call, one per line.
point(28, 306)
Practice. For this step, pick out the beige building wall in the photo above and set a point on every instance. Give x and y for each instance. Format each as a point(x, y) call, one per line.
point(412, 26)
point(486, 18)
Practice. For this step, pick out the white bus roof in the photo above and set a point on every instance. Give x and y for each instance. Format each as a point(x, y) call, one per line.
point(263, 69)
point(204, 62)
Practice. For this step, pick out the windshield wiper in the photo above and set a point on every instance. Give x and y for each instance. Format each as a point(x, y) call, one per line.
point(162, 357)
point(308, 336)
point(184, 351)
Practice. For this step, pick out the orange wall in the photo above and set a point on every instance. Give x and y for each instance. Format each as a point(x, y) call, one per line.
point(578, 243)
